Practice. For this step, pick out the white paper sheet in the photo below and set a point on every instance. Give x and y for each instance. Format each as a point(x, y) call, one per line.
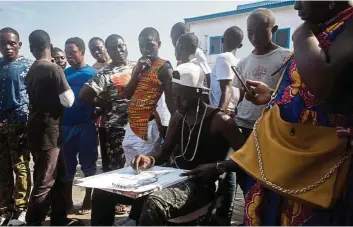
point(127, 180)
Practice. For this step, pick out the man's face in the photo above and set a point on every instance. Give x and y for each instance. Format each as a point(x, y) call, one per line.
point(149, 46)
point(60, 59)
point(98, 51)
point(313, 11)
point(9, 46)
point(73, 54)
point(117, 50)
point(259, 32)
point(184, 97)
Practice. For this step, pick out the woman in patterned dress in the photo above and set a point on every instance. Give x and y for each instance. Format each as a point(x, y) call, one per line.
point(316, 88)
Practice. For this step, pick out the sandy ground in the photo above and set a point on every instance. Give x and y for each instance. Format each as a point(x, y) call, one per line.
point(79, 193)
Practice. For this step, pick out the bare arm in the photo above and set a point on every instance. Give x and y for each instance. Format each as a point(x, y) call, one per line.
point(318, 69)
point(226, 86)
point(87, 94)
point(227, 126)
point(163, 154)
point(165, 75)
point(208, 80)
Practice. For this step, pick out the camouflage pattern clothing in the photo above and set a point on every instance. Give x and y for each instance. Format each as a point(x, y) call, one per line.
point(109, 83)
point(14, 157)
point(175, 201)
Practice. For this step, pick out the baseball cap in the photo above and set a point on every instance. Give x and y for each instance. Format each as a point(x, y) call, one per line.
point(189, 74)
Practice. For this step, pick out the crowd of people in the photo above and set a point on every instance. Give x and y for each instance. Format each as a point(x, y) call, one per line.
point(284, 138)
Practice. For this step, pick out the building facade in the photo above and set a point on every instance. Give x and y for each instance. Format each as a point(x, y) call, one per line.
point(210, 28)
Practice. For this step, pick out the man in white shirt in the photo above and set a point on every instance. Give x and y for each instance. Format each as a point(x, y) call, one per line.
point(223, 95)
point(180, 29)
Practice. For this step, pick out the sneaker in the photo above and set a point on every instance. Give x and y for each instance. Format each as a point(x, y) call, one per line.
point(5, 218)
point(18, 219)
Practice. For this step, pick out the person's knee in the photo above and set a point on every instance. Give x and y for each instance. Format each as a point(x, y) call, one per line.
point(153, 213)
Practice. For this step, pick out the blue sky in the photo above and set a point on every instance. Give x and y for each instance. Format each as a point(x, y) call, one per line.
point(86, 19)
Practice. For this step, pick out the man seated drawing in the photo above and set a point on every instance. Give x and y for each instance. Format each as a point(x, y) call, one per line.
point(197, 134)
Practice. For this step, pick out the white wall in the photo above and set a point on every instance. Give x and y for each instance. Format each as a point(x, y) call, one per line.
point(286, 17)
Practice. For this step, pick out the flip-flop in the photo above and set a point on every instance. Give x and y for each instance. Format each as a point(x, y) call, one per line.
point(75, 222)
point(121, 209)
point(84, 211)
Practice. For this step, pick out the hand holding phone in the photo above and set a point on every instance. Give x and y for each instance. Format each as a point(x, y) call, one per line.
point(261, 92)
point(246, 88)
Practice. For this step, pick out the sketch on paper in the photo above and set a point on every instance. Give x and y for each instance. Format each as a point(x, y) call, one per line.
point(127, 180)
point(134, 181)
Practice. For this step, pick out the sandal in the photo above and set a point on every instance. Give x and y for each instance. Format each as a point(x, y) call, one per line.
point(122, 209)
point(75, 222)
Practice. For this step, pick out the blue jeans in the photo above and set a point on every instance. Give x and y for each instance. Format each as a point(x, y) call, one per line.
point(79, 140)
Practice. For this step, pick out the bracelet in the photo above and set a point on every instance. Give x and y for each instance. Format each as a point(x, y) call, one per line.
point(153, 161)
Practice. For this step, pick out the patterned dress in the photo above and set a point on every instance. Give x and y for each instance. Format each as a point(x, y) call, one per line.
point(298, 105)
point(109, 84)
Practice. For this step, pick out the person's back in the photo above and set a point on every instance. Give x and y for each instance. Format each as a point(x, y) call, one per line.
point(81, 112)
point(44, 85)
point(224, 61)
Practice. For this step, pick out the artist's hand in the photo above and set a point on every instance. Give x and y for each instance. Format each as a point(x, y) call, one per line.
point(141, 162)
point(261, 92)
point(206, 172)
point(141, 64)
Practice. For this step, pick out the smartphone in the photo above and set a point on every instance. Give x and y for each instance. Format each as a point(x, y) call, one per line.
point(241, 80)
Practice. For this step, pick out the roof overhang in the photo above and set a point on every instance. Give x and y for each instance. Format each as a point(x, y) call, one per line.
point(242, 9)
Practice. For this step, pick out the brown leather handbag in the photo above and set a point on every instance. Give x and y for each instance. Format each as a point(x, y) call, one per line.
point(304, 162)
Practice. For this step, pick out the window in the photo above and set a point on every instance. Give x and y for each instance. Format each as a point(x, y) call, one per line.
point(282, 37)
point(216, 45)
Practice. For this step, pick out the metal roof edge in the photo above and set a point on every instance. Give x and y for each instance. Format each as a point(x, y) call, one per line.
point(267, 5)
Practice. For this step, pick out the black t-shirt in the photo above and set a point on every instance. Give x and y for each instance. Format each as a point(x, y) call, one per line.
point(45, 82)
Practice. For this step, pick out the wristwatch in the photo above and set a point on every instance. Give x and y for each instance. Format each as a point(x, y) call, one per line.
point(221, 167)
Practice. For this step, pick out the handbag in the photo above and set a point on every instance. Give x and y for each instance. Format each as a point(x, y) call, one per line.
point(304, 162)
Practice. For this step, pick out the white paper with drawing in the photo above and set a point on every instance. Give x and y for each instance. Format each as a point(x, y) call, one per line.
point(127, 180)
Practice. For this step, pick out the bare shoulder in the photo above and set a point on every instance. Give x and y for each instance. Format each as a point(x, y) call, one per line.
point(165, 71)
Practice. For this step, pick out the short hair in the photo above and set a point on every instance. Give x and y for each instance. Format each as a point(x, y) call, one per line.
point(180, 28)
point(40, 40)
point(78, 42)
point(112, 37)
point(266, 15)
point(149, 31)
point(189, 41)
point(235, 34)
point(95, 39)
point(56, 50)
point(10, 30)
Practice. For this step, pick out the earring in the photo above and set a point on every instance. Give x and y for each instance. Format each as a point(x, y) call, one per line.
point(331, 5)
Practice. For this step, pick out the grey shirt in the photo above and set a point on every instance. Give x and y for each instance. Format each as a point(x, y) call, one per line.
point(259, 68)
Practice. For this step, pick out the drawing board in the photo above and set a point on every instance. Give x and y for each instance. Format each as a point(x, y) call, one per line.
point(127, 182)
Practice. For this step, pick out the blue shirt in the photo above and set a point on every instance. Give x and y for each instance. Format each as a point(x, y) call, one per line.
point(13, 91)
point(81, 112)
